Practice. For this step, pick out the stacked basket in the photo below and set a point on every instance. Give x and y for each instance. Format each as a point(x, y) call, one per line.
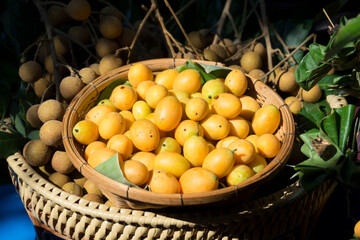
point(72, 217)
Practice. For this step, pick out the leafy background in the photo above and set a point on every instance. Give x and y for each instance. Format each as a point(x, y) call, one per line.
point(20, 26)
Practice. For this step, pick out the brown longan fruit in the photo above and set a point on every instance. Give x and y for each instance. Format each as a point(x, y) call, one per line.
point(30, 71)
point(110, 27)
point(260, 49)
point(210, 55)
point(229, 45)
point(73, 188)
point(294, 104)
point(40, 86)
point(59, 179)
point(95, 68)
point(234, 66)
point(50, 133)
point(219, 50)
point(61, 162)
point(80, 33)
point(50, 110)
point(256, 73)
point(287, 82)
point(61, 45)
point(93, 197)
point(57, 15)
point(70, 86)
point(87, 75)
point(49, 66)
point(78, 178)
point(108, 63)
point(250, 61)
point(45, 170)
point(78, 9)
point(90, 187)
point(105, 47)
point(32, 116)
point(36, 153)
point(111, 11)
point(313, 95)
point(197, 39)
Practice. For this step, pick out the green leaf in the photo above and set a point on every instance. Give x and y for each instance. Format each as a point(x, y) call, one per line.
point(111, 169)
point(34, 135)
point(106, 93)
point(313, 178)
point(313, 112)
point(207, 72)
point(343, 36)
point(346, 114)
point(329, 125)
point(10, 143)
point(19, 125)
point(311, 68)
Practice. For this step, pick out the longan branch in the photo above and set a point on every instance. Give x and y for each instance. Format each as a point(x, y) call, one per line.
point(182, 29)
point(165, 31)
point(152, 8)
point(48, 28)
point(181, 10)
point(265, 29)
point(224, 13)
point(54, 3)
point(311, 36)
point(279, 38)
point(242, 24)
point(76, 42)
point(177, 44)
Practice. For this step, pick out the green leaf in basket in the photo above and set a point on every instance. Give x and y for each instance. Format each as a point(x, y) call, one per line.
point(207, 72)
point(10, 143)
point(19, 125)
point(111, 169)
point(105, 94)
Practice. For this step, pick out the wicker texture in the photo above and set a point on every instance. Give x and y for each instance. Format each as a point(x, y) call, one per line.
point(76, 218)
point(125, 196)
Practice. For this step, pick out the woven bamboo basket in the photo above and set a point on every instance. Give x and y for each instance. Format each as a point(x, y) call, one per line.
point(72, 217)
point(129, 197)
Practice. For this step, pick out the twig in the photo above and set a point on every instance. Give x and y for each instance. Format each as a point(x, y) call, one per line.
point(256, 14)
point(54, 3)
point(76, 42)
point(265, 29)
point(57, 76)
point(165, 32)
point(311, 36)
point(279, 38)
point(327, 16)
point(177, 44)
point(46, 90)
point(38, 48)
point(231, 19)
point(152, 8)
point(221, 21)
point(242, 24)
point(92, 30)
point(182, 29)
point(180, 11)
point(245, 46)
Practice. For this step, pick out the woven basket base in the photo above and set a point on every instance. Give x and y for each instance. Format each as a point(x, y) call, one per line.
point(72, 217)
